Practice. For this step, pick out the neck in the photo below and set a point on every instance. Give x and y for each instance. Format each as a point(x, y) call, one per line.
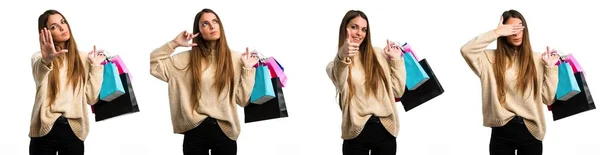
point(60, 45)
point(212, 45)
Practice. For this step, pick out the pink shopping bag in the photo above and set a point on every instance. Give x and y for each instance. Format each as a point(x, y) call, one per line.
point(276, 70)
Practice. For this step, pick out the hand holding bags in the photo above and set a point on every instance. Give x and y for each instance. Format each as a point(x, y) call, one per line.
point(123, 104)
point(577, 103)
point(426, 91)
point(274, 107)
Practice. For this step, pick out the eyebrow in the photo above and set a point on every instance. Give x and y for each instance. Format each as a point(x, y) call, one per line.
point(62, 19)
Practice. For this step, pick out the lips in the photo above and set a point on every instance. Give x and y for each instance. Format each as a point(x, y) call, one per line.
point(213, 33)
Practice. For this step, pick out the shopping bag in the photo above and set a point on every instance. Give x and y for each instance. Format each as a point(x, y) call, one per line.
point(111, 83)
point(574, 64)
point(276, 70)
point(408, 49)
point(263, 86)
point(415, 75)
point(124, 104)
point(567, 85)
point(579, 103)
point(427, 91)
point(272, 109)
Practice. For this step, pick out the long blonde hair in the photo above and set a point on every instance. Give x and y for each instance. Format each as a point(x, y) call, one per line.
point(75, 69)
point(224, 74)
point(374, 74)
point(527, 74)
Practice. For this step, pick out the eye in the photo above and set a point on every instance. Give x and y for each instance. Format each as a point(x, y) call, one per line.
point(364, 30)
point(52, 27)
point(63, 21)
point(354, 27)
point(204, 24)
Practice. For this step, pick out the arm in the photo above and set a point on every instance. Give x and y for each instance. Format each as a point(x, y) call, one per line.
point(549, 85)
point(160, 59)
point(337, 70)
point(244, 89)
point(94, 80)
point(40, 68)
point(474, 51)
point(398, 74)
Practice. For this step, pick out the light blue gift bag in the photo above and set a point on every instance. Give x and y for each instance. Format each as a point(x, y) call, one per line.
point(263, 86)
point(567, 84)
point(415, 75)
point(112, 87)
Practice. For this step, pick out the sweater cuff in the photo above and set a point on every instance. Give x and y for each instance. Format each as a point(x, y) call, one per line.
point(47, 65)
point(96, 70)
point(550, 69)
point(248, 72)
point(395, 63)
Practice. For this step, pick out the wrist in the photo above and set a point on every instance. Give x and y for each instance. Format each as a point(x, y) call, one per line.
point(173, 44)
point(339, 57)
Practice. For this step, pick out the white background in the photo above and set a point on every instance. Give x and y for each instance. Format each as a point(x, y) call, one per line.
point(302, 35)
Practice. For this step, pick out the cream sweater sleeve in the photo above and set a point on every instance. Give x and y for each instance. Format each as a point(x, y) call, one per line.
point(40, 68)
point(246, 81)
point(160, 59)
point(398, 74)
point(549, 84)
point(337, 70)
point(94, 78)
point(474, 51)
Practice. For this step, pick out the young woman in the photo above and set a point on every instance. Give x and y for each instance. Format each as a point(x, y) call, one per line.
point(516, 83)
point(367, 80)
point(205, 84)
point(66, 81)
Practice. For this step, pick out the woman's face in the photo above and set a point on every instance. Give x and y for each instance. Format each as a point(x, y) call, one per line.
point(58, 27)
point(358, 29)
point(209, 27)
point(515, 39)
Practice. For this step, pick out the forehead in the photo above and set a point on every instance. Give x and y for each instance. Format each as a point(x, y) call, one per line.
point(207, 16)
point(513, 20)
point(55, 18)
point(361, 22)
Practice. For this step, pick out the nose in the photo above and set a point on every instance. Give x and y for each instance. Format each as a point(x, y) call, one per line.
point(61, 27)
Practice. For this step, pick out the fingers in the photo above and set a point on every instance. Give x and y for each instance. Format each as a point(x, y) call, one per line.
point(501, 20)
point(387, 46)
point(348, 36)
point(195, 35)
point(247, 53)
point(42, 40)
point(48, 36)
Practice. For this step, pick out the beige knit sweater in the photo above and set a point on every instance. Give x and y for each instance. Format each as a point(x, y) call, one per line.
point(481, 61)
point(69, 103)
point(357, 111)
point(174, 71)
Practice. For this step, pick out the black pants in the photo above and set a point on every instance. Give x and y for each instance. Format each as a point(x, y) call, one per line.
point(374, 138)
point(208, 136)
point(514, 136)
point(60, 139)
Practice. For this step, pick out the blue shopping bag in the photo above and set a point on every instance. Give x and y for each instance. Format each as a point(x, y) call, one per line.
point(112, 87)
point(567, 84)
point(415, 75)
point(263, 86)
